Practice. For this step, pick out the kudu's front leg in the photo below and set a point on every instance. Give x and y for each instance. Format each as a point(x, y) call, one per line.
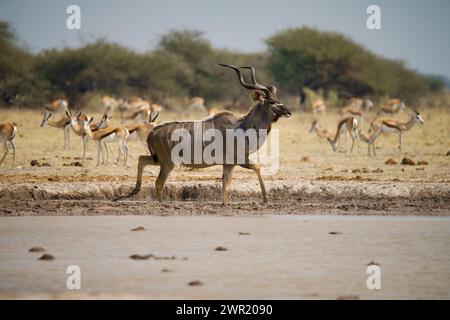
point(255, 167)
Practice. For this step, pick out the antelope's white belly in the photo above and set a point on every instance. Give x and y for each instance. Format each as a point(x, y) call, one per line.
point(111, 138)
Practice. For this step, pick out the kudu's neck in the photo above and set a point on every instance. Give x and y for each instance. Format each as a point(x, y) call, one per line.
point(257, 118)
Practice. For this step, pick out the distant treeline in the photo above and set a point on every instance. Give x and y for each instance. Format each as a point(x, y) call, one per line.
point(184, 64)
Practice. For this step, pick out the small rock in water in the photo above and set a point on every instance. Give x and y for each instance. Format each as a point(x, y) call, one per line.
point(244, 233)
point(166, 270)
point(220, 248)
point(36, 249)
point(408, 161)
point(140, 228)
point(335, 232)
point(373, 263)
point(390, 161)
point(195, 283)
point(140, 257)
point(46, 257)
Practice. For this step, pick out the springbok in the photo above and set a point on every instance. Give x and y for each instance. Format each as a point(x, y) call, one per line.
point(8, 132)
point(105, 135)
point(318, 106)
point(134, 109)
point(392, 107)
point(63, 123)
point(267, 111)
point(390, 125)
point(351, 125)
point(356, 108)
point(370, 139)
point(321, 133)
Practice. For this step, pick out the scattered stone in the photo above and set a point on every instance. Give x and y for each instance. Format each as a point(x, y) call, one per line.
point(36, 249)
point(422, 162)
point(244, 233)
point(356, 171)
point(348, 297)
point(448, 153)
point(195, 283)
point(328, 169)
point(390, 162)
point(335, 232)
point(166, 270)
point(420, 169)
point(408, 161)
point(365, 170)
point(35, 163)
point(220, 248)
point(46, 164)
point(377, 170)
point(140, 228)
point(73, 164)
point(373, 263)
point(305, 159)
point(46, 257)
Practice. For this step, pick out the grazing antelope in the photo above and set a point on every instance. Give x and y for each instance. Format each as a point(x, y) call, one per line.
point(392, 107)
point(63, 123)
point(319, 106)
point(267, 111)
point(321, 133)
point(390, 125)
point(135, 108)
point(105, 135)
point(370, 139)
point(59, 105)
point(8, 132)
point(350, 124)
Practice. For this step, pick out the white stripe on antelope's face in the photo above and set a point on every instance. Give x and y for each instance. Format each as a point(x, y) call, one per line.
point(419, 119)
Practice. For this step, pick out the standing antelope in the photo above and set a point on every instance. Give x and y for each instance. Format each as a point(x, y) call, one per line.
point(350, 124)
point(63, 123)
point(105, 135)
point(370, 139)
point(8, 132)
point(392, 107)
point(267, 110)
point(390, 125)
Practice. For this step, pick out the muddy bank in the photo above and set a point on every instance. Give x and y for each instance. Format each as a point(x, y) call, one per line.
point(189, 198)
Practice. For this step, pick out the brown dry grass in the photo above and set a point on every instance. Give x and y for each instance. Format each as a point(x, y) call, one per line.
point(302, 155)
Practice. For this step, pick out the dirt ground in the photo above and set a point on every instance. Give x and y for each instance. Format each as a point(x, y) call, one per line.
point(304, 159)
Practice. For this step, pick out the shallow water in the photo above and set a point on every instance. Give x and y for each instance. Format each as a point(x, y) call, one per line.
point(283, 257)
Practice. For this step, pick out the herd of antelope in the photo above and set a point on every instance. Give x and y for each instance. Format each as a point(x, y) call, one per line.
point(157, 137)
point(351, 119)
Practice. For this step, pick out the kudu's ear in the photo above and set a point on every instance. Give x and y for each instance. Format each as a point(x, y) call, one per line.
point(258, 95)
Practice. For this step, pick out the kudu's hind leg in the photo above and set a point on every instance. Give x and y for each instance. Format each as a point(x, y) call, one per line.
point(161, 180)
point(143, 162)
point(226, 182)
point(257, 170)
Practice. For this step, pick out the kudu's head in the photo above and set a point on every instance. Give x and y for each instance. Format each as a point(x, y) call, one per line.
point(265, 96)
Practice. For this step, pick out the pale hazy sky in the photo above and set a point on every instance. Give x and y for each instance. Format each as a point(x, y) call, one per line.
point(417, 31)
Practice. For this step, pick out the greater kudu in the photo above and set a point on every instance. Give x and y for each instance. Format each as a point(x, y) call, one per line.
point(267, 110)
